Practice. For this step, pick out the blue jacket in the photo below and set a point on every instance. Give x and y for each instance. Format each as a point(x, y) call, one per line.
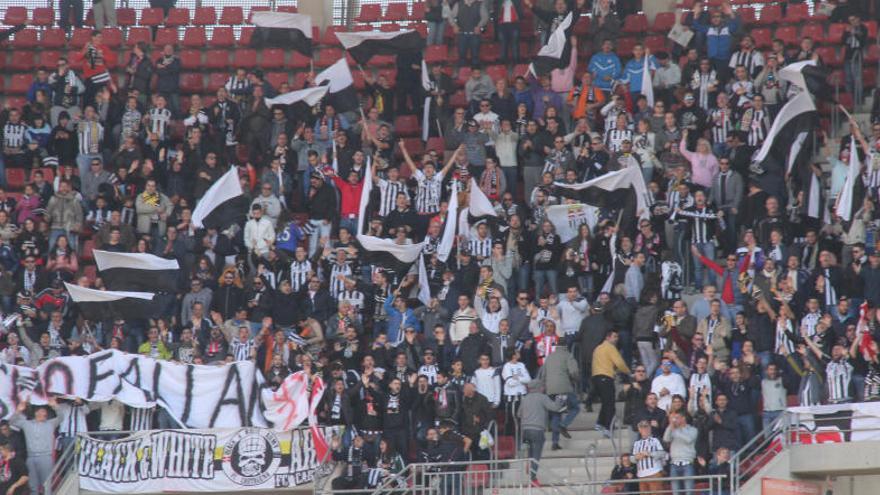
point(632, 73)
point(605, 64)
point(36, 86)
point(398, 321)
point(718, 38)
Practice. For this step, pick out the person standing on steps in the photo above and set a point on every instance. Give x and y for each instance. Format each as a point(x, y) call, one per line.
point(607, 362)
point(533, 411)
point(560, 376)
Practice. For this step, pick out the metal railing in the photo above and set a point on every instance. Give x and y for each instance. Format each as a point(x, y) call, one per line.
point(65, 463)
point(696, 485)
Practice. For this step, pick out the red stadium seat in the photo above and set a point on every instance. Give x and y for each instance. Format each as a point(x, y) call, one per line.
point(49, 59)
point(15, 16)
point(422, 28)
point(796, 13)
point(814, 31)
point(762, 38)
point(276, 79)
point(191, 59)
point(217, 59)
point(746, 15)
point(396, 11)
point(846, 100)
point(23, 61)
point(869, 77)
point(328, 38)
point(205, 16)
point(222, 36)
point(152, 17)
point(873, 54)
point(139, 35)
point(80, 37)
point(166, 36)
point(770, 14)
point(392, 27)
point(663, 22)
point(435, 54)
point(43, 16)
point(490, 52)
point(298, 61)
point(829, 55)
point(53, 38)
point(418, 11)
point(272, 58)
point(635, 24)
point(788, 34)
point(15, 178)
point(655, 43)
point(458, 99)
point(407, 125)
point(435, 144)
point(497, 72)
point(371, 12)
point(126, 17)
point(192, 82)
point(26, 39)
point(872, 29)
point(835, 33)
point(195, 37)
point(382, 61)
point(291, 9)
point(625, 46)
point(244, 38)
point(330, 56)
point(112, 37)
point(177, 17)
point(299, 79)
point(88, 250)
point(216, 80)
point(232, 16)
point(245, 58)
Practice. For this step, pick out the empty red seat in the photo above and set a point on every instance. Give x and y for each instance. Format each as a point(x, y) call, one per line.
point(663, 22)
point(392, 27)
point(872, 29)
point(828, 55)
point(232, 16)
point(276, 79)
point(396, 11)
point(139, 35)
point(205, 16)
point(635, 24)
point(873, 54)
point(54, 38)
point(869, 77)
point(191, 82)
point(244, 38)
point(746, 15)
point(418, 11)
point(191, 59)
point(788, 34)
point(796, 13)
point(80, 37)
point(152, 17)
point(112, 37)
point(497, 72)
point(216, 81)
point(371, 12)
point(490, 52)
point(217, 59)
point(435, 144)
point(406, 125)
point(15, 178)
point(272, 58)
point(23, 60)
point(330, 56)
point(195, 37)
point(166, 36)
point(291, 9)
point(245, 58)
point(762, 38)
point(49, 59)
point(625, 46)
point(436, 54)
point(222, 36)
point(655, 43)
point(43, 16)
point(15, 16)
point(298, 61)
point(26, 39)
point(770, 14)
point(835, 33)
point(814, 31)
point(328, 37)
point(177, 17)
point(126, 17)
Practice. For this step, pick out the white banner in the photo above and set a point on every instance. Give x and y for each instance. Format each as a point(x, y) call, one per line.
point(857, 422)
point(226, 460)
point(568, 218)
point(197, 396)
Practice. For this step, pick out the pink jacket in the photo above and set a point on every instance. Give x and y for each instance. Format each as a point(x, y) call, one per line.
point(704, 168)
point(562, 80)
point(25, 208)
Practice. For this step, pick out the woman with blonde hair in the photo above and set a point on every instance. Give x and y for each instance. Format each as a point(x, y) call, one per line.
point(704, 165)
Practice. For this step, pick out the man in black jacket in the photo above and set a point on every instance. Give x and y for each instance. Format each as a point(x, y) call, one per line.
point(321, 207)
point(315, 301)
point(472, 347)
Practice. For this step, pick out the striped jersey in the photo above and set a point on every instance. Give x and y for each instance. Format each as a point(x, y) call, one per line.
point(721, 124)
point(90, 135)
point(141, 418)
point(73, 419)
point(702, 223)
point(653, 463)
point(13, 135)
point(299, 273)
point(752, 60)
point(480, 247)
point(337, 285)
point(428, 192)
point(159, 120)
point(241, 350)
point(614, 139)
point(838, 375)
point(388, 191)
point(354, 297)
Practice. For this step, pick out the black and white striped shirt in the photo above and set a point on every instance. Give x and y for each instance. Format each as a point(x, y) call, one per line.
point(830, 292)
point(90, 135)
point(702, 223)
point(141, 418)
point(757, 127)
point(388, 191)
point(353, 297)
point(13, 135)
point(299, 274)
point(614, 139)
point(752, 60)
point(480, 247)
point(721, 124)
point(241, 350)
point(159, 120)
point(428, 193)
point(653, 463)
point(73, 419)
point(430, 372)
point(337, 286)
point(838, 375)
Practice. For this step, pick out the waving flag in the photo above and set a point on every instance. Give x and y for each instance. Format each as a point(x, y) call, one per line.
point(213, 203)
point(340, 85)
point(104, 304)
point(556, 54)
point(137, 271)
point(283, 30)
point(363, 45)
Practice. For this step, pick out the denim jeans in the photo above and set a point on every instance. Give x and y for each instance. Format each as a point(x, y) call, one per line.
point(322, 228)
point(683, 487)
point(557, 420)
point(768, 417)
point(746, 429)
point(468, 43)
point(545, 276)
point(708, 250)
point(535, 441)
point(435, 32)
point(508, 34)
point(728, 236)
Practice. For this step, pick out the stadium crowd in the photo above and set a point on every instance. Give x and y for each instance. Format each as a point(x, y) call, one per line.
point(521, 328)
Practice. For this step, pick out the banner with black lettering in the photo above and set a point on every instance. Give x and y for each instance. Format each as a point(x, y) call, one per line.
point(220, 460)
point(197, 396)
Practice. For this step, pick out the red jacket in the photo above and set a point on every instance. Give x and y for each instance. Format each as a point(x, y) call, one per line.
point(351, 196)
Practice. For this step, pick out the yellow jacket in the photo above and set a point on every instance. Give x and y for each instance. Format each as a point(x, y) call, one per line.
point(607, 361)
